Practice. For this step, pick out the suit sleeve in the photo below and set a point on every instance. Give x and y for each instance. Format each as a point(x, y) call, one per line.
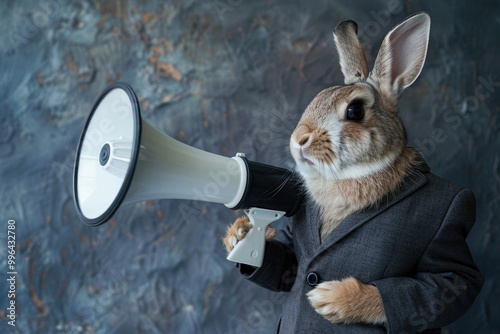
point(278, 270)
point(446, 281)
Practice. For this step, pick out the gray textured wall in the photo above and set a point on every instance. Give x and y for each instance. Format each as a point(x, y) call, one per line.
point(223, 76)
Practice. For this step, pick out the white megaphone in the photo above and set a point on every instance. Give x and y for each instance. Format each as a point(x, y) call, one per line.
point(122, 159)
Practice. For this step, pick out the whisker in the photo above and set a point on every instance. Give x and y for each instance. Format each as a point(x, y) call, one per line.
point(282, 158)
point(283, 181)
point(279, 110)
point(285, 109)
point(279, 120)
point(288, 162)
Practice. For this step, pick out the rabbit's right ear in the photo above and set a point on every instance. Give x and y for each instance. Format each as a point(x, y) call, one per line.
point(352, 57)
point(402, 55)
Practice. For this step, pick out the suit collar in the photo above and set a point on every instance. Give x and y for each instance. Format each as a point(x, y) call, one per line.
point(415, 180)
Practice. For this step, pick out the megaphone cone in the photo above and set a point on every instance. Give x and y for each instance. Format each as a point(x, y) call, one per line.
point(122, 159)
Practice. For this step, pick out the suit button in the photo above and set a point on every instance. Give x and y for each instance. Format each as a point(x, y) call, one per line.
point(312, 279)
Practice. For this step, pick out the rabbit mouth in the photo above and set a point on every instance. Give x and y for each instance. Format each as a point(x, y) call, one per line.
point(309, 162)
point(304, 159)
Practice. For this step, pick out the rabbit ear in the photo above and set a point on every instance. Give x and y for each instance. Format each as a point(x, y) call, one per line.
point(402, 55)
point(352, 57)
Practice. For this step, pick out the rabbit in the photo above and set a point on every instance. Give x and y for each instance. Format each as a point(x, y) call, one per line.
point(351, 151)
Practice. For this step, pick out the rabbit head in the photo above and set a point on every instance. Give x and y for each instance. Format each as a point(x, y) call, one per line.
point(353, 131)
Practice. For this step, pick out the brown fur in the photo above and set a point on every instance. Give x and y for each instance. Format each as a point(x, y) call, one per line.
point(354, 132)
point(357, 194)
point(239, 229)
point(320, 146)
point(348, 301)
point(236, 232)
point(352, 58)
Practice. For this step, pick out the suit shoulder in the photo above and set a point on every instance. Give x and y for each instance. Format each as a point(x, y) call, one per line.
point(438, 186)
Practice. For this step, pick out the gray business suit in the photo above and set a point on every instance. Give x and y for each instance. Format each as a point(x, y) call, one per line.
point(412, 247)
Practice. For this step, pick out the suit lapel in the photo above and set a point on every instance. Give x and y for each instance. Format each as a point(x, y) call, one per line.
point(306, 228)
point(351, 223)
point(314, 218)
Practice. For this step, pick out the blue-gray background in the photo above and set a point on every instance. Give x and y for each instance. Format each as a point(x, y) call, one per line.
point(224, 76)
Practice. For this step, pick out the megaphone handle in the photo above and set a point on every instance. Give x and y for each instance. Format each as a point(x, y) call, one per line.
point(250, 250)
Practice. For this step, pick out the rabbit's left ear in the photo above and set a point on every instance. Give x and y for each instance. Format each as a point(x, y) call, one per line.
point(402, 55)
point(352, 57)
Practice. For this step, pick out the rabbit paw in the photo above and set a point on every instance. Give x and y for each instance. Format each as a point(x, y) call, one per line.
point(348, 301)
point(236, 232)
point(239, 230)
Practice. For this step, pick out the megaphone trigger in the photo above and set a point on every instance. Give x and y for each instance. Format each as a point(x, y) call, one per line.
point(250, 250)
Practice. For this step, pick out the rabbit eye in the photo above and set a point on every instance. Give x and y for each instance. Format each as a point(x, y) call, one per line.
point(355, 111)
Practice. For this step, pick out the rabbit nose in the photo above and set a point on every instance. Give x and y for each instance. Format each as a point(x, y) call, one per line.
point(303, 139)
